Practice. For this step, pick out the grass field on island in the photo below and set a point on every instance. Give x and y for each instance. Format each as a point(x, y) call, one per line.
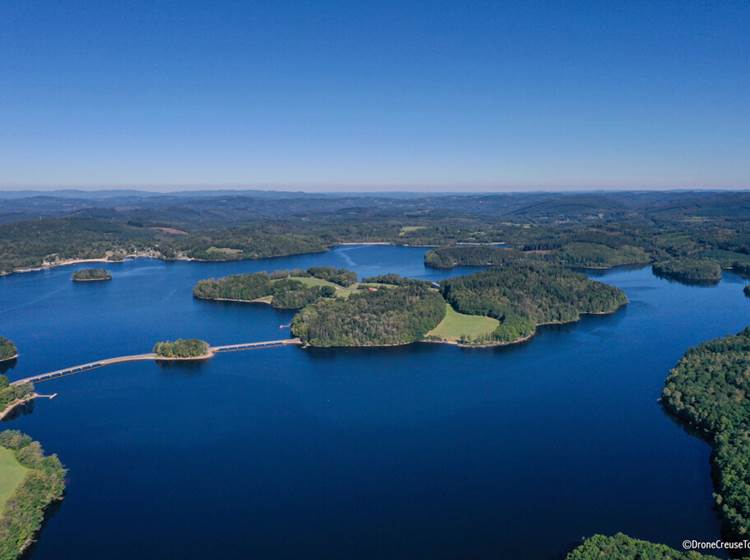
point(12, 474)
point(456, 325)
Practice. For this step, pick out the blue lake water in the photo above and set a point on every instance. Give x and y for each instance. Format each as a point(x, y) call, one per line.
point(425, 451)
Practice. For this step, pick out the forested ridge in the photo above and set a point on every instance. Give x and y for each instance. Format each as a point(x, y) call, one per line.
point(386, 316)
point(525, 294)
point(708, 389)
point(44, 484)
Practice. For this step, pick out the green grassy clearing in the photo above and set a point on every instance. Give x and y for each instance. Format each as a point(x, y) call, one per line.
point(12, 474)
point(456, 325)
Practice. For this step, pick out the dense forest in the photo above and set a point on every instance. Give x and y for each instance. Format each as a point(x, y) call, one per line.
point(708, 389)
point(44, 484)
point(622, 547)
point(695, 271)
point(382, 317)
point(91, 275)
point(7, 349)
point(286, 289)
point(182, 348)
point(528, 293)
point(598, 255)
point(574, 229)
point(467, 255)
point(576, 255)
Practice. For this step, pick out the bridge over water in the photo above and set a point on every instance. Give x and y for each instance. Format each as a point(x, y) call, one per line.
point(143, 357)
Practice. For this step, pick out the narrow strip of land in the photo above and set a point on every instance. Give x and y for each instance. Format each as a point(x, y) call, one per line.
point(151, 356)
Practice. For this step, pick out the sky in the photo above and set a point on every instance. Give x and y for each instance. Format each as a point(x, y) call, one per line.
point(348, 95)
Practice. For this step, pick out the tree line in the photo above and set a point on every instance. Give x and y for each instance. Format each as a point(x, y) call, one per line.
point(44, 484)
point(708, 389)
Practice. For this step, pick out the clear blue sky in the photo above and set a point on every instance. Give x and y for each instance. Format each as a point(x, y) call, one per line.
point(349, 95)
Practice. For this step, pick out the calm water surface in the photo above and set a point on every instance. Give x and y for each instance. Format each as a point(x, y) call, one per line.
point(421, 452)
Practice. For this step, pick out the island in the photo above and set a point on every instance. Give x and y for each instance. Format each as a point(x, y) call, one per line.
point(503, 305)
point(622, 547)
point(8, 350)
point(689, 271)
point(707, 390)
point(29, 482)
point(526, 294)
point(183, 349)
point(91, 275)
point(289, 289)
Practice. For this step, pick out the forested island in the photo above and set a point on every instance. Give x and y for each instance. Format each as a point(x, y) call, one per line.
point(708, 390)
point(290, 289)
point(500, 306)
point(91, 275)
point(527, 294)
point(622, 547)
point(29, 482)
point(692, 271)
point(8, 350)
point(183, 349)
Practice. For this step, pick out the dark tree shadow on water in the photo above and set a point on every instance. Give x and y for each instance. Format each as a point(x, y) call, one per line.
point(8, 365)
point(184, 367)
point(49, 512)
point(20, 410)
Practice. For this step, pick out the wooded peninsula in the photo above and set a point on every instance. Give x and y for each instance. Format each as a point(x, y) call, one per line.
point(691, 271)
point(708, 390)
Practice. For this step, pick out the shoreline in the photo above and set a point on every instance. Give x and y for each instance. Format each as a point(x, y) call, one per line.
point(181, 258)
point(28, 398)
point(13, 357)
point(524, 338)
point(92, 279)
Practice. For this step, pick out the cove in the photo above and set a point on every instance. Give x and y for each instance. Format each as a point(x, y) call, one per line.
point(419, 451)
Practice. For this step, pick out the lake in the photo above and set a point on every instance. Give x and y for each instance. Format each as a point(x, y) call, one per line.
point(426, 451)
